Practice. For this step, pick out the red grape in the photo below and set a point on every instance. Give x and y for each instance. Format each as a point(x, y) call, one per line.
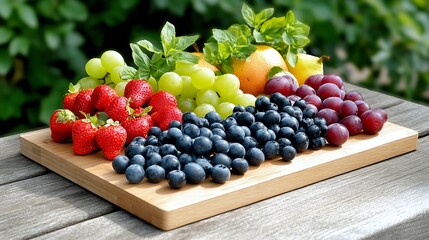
point(332, 78)
point(353, 123)
point(332, 103)
point(313, 99)
point(314, 81)
point(362, 106)
point(353, 96)
point(347, 108)
point(304, 90)
point(372, 122)
point(331, 116)
point(382, 113)
point(283, 84)
point(328, 90)
point(337, 134)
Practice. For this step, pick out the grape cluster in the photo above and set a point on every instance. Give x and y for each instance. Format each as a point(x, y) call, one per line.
point(200, 147)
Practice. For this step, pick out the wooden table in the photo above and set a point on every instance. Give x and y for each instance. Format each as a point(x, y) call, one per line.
point(387, 200)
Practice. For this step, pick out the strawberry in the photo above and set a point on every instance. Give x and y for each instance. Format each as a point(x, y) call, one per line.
point(119, 109)
point(102, 96)
point(61, 123)
point(138, 91)
point(83, 136)
point(69, 98)
point(111, 138)
point(164, 116)
point(137, 126)
point(82, 103)
point(162, 99)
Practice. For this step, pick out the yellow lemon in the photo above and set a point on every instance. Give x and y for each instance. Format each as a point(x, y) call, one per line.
point(306, 65)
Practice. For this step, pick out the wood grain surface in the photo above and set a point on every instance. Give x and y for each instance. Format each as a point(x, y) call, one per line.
point(168, 208)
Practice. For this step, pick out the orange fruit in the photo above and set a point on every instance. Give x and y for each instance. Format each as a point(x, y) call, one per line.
point(253, 71)
point(203, 63)
point(306, 65)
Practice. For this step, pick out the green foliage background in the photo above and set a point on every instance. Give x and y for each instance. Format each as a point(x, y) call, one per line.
point(44, 44)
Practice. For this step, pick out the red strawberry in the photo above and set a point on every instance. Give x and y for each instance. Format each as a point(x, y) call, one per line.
point(163, 117)
point(162, 99)
point(69, 98)
point(138, 91)
point(119, 109)
point(82, 103)
point(61, 123)
point(137, 126)
point(111, 138)
point(83, 136)
point(102, 96)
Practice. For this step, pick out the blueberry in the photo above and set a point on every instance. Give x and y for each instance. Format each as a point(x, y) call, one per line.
point(155, 131)
point(280, 99)
point(271, 117)
point(309, 113)
point(162, 138)
point(205, 163)
point(206, 132)
point(134, 173)
point(213, 117)
point(150, 149)
point(203, 122)
point(238, 108)
point(173, 134)
point(155, 174)
point(291, 122)
point(297, 113)
point(216, 125)
point(221, 158)
point(286, 132)
point(228, 122)
point(273, 135)
point(275, 128)
point(259, 116)
point(262, 103)
point(288, 153)
point(134, 149)
point(189, 117)
point(301, 103)
point(185, 158)
point(313, 131)
point(167, 149)
point(255, 156)
point(139, 139)
point(138, 159)
point(170, 163)
point(306, 122)
point(239, 166)
point(152, 140)
point(236, 150)
point(219, 131)
point(120, 163)
point(250, 109)
point(215, 138)
point(289, 110)
point(317, 143)
point(176, 179)
point(256, 126)
point(221, 146)
point(192, 130)
point(271, 149)
point(194, 173)
point(283, 142)
point(202, 145)
point(235, 134)
point(153, 159)
point(262, 136)
point(245, 119)
point(249, 142)
point(184, 143)
point(300, 142)
point(175, 124)
point(319, 121)
point(247, 131)
point(220, 174)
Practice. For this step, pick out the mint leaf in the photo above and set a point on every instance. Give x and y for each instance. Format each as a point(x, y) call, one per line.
point(168, 34)
point(148, 46)
point(141, 60)
point(185, 57)
point(183, 42)
point(128, 73)
point(248, 15)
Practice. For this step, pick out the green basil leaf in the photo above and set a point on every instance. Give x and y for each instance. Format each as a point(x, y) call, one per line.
point(149, 46)
point(211, 53)
point(160, 65)
point(275, 25)
point(223, 36)
point(183, 42)
point(263, 16)
point(248, 15)
point(224, 50)
point(128, 73)
point(185, 57)
point(291, 58)
point(141, 60)
point(168, 34)
point(243, 51)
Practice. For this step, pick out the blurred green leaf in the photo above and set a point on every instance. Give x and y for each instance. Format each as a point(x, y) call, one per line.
point(5, 8)
point(19, 45)
point(5, 34)
point(52, 38)
point(5, 62)
point(28, 15)
point(73, 10)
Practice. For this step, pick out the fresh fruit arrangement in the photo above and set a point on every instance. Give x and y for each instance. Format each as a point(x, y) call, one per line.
point(252, 95)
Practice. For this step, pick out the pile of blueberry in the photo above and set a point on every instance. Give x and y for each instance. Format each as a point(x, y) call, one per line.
point(197, 148)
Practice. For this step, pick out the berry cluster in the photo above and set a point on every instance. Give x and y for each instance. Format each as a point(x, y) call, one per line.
point(195, 148)
point(90, 112)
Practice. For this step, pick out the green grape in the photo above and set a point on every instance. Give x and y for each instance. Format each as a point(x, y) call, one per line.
point(94, 68)
point(207, 96)
point(188, 89)
point(108, 80)
point(152, 81)
point(203, 78)
point(186, 104)
point(171, 82)
point(203, 109)
point(185, 69)
point(120, 88)
point(115, 75)
point(111, 59)
point(226, 85)
point(225, 109)
point(88, 82)
point(245, 99)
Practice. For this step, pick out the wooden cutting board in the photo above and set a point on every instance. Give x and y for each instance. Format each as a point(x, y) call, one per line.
point(167, 208)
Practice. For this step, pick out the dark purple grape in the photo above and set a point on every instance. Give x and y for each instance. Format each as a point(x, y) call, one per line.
point(347, 108)
point(353, 96)
point(328, 90)
point(314, 81)
point(331, 116)
point(362, 106)
point(332, 78)
point(313, 99)
point(372, 122)
point(332, 103)
point(337, 134)
point(353, 123)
